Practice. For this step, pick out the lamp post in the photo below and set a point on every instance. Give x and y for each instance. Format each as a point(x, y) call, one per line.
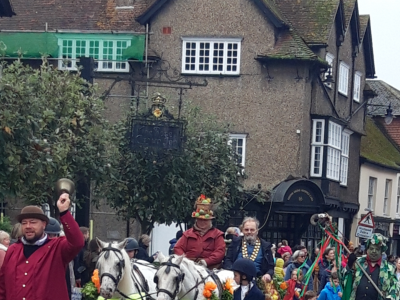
point(46, 209)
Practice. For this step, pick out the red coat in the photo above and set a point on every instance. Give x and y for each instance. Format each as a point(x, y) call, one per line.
point(42, 275)
point(210, 247)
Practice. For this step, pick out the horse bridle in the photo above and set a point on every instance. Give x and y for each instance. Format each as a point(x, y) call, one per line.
point(178, 279)
point(120, 264)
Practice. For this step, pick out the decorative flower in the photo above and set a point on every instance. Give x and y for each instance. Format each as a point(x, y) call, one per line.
point(96, 279)
point(229, 286)
point(202, 197)
point(283, 285)
point(209, 287)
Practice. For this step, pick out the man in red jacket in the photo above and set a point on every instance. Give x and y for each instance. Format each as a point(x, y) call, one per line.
point(34, 267)
point(203, 243)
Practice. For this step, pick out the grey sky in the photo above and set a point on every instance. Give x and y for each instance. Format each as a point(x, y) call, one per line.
point(385, 22)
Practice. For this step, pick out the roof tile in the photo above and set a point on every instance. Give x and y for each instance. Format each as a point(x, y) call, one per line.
point(385, 95)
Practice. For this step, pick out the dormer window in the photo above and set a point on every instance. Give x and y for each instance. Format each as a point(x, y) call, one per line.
point(343, 78)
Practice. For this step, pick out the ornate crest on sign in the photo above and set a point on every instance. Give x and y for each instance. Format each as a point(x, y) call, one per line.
point(157, 131)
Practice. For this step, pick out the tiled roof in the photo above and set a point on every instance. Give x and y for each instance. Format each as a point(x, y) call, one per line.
point(349, 6)
point(312, 19)
point(73, 15)
point(385, 95)
point(364, 19)
point(376, 148)
point(290, 46)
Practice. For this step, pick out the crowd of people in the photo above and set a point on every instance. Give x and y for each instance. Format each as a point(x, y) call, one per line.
point(65, 258)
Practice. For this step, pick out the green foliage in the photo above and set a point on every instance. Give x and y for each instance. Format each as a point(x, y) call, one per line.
point(89, 291)
point(226, 295)
point(51, 126)
point(6, 224)
point(165, 190)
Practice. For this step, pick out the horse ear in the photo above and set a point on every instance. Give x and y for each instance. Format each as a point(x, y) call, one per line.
point(100, 243)
point(122, 244)
point(160, 257)
point(179, 259)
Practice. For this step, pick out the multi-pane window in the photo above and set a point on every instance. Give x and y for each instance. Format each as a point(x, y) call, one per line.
point(334, 151)
point(357, 87)
point(371, 192)
point(317, 148)
point(386, 199)
point(329, 59)
point(211, 56)
point(238, 142)
point(343, 78)
point(398, 198)
point(344, 163)
point(337, 151)
point(107, 53)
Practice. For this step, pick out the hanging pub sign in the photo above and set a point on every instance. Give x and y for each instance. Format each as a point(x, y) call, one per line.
point(157, 131)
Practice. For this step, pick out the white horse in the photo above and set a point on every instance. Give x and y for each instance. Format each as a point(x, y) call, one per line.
point(182, 278)
point(120, 278)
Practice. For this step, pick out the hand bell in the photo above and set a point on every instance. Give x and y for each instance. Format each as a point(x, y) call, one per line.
point(64, 185)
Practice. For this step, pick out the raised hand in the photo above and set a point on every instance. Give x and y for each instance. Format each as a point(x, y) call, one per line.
point(63, 202)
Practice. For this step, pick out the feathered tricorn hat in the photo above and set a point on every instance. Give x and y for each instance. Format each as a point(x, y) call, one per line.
point(203, 208)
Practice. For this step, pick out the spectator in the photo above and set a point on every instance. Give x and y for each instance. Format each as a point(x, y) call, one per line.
point(90, 258)
point(47, 267)
point(332, 290)
point(132, 248)
point(4, 244)
point(80, 272)
point(326, 266)
point(142, 254)
point(16, 233)
point(315, 254)
point(284, 248)
point(310, 295)
point(173, 242)
point(298, 260)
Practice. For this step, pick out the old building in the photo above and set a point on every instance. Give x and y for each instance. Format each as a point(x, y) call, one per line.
point(287, 76)
point(66, 31)
point(265, 62)
point(380, 164)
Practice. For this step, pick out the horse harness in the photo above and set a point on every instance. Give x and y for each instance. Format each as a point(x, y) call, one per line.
point(181, 277)
point(141, 287)
point(120, 264)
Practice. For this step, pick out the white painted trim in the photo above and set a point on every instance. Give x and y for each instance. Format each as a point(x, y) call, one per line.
point(357, 86)
point(212, 41)
point(243, 137)
point(344, 71)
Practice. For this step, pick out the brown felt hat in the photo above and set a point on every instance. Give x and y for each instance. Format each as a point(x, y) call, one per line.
point(32, 212)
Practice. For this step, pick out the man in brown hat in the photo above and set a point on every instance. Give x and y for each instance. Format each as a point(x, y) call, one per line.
point(34, 267)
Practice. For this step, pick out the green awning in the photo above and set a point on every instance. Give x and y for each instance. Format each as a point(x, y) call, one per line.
point(35, 45)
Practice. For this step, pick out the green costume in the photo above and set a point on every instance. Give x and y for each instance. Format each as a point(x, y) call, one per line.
point(387, 281)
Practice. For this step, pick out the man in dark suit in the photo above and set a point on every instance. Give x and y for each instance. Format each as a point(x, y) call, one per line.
point(252, 247)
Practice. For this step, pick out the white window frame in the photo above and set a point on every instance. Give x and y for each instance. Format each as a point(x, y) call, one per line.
point(124, 4)
point(371, 192)
point(344, 160)
point(317, 148)
point(398, 199)
point(100, 62)
point(344, 71)
point(386, 199)
point(329, 59)
point(334, 151)
point(357, 86)
point(242, 137)
point(196, 54)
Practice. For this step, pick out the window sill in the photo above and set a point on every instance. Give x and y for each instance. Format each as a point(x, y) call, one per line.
point(357, 101)
point(343, 94)
point(210, 75)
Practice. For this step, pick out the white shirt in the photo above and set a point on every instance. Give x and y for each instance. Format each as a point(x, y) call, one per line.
point(245, 289)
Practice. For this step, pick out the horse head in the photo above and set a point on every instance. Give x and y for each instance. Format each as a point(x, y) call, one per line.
point(114, 268)
point(169, 277)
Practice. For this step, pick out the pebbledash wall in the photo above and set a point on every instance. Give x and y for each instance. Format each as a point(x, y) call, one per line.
point(268, 112)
